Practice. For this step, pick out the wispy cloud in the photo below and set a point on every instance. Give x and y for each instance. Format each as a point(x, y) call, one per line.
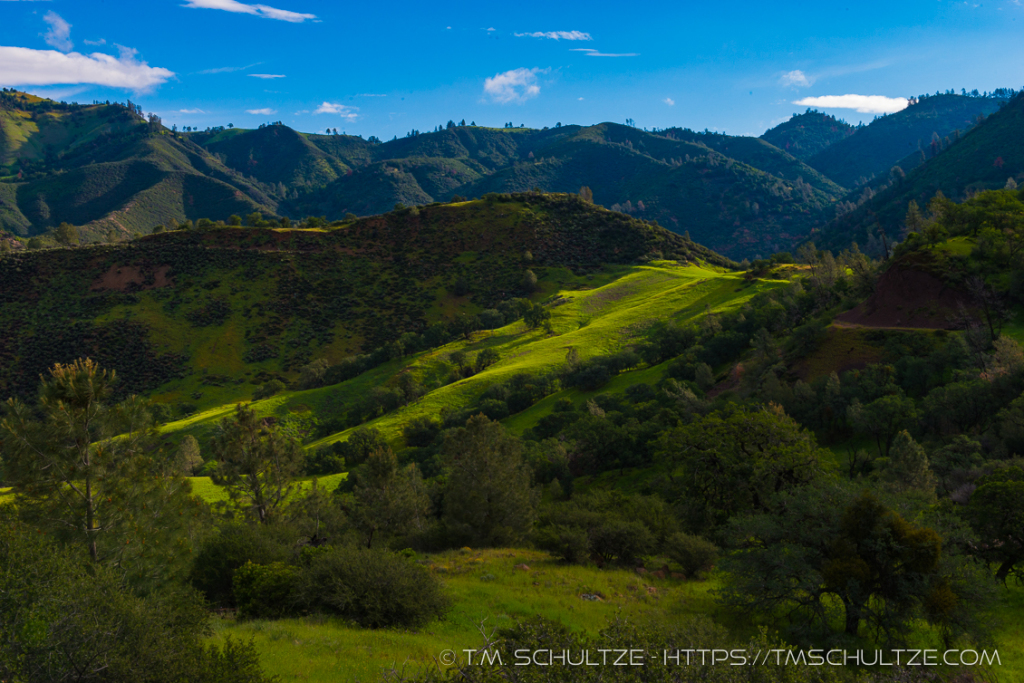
point(864, 104)
point(669, 101)
point(515, 85)
point(341, 110)
point(256, 10)
point(265, 111)
point(59, 35)
point(556, 35)
point(370, 94)
point(795, 79)
point(266, 76)
point(591, 52)
point(24, 66)
point(191, 111)
point(101, 41)
point(228, 69)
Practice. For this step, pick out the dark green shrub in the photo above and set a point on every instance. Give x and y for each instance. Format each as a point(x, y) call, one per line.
point(495, 410)
point(693, 553)
point(619, 541)
point(374, 588)
point(274, 386)
point(220, 555)
point(571, 544)
point(324, 460)
point(264, 590)
point(420, 432)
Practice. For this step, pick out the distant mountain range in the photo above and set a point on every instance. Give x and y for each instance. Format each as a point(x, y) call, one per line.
point(110, 171)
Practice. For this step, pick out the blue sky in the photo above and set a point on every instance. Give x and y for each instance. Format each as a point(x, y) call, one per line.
point(385, 68)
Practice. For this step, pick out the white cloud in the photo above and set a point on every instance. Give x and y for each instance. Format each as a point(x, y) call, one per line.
point(591, 52)
point(669, 101)
point(864, 104)
point(228, 69)
point(266, 111)
point(266, 76)
point(556, 35)
point(191, 111)
point(795, 79)
point(490, 29)
point(59, 35)
point(23, 66)
point(101, 41)
point(370, 94)
point(516, 85)
point(341, 110)
point(256, 10)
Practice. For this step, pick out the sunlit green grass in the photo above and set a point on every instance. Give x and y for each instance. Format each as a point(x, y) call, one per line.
point(487, 591)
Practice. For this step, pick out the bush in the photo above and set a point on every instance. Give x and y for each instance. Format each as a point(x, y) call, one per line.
point(620, 541)
point(264, 590)
point(274, 386)
point(324, 460)
point(374, 588)
point(568, 543)
point(220, 555)
point(494, 409)
point(693, 553)
point(420, 432)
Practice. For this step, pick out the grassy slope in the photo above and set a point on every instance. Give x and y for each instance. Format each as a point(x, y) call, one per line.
point(874, 149)
point(294, 295)
point(983, 159)
point(596, 321)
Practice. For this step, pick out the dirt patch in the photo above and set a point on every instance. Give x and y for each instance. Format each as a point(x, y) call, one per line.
point(132, 278)
point(844, 348)
point(907, 298)
point(730, 383)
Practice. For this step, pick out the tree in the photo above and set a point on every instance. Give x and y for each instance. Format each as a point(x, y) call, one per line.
point(312, 375)
point(529, 281)
point(996, 511)
point(908, 465)
point(189, 458)
point(254, 219)
point(883, 419)
point(822, 543)
point(536, 315)
point(387, 501)
point(94, 475)
point(66, 234)
point(736, 463)
point(257, 463)
point(487, 497)
point(586, 194)
point(234, 219)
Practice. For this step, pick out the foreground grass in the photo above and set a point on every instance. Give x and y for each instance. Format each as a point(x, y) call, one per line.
point(487, 591)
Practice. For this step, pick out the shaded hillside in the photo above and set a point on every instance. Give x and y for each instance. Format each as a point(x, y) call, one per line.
point(200, 313)
point(274, 154)
point(874, 149)
point(984, 158)
point(105, 168)
point(726, 201)
point(806, 134)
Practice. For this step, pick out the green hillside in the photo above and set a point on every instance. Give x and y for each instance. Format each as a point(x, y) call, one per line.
point(806, 134)
point(106, 169)
point(275, 154)
point(874, 149)
point(984, 158)
point(203, 316)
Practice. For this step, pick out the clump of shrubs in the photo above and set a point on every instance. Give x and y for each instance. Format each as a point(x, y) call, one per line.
point(694, 554)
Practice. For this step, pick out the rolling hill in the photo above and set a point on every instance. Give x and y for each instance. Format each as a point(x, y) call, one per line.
point(874, 149)
point(984, 158)
point(806, 134)
point(199, 316)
